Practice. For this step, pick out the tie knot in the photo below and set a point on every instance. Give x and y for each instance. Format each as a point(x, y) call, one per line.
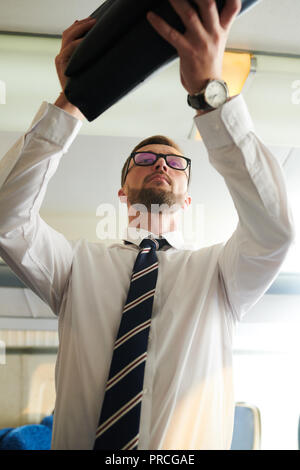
point(156, 243)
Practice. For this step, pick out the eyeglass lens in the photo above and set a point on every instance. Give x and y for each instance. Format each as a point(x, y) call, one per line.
point(174, 161)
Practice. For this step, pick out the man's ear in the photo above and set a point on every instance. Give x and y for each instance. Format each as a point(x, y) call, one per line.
point(122, 195)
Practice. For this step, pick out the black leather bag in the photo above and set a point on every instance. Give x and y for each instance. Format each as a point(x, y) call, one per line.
point(120, 52)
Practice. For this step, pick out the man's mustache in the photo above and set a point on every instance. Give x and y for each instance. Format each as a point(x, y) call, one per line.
point(158, 173)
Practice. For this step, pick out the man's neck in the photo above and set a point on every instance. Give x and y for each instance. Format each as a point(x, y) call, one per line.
point(154, 223)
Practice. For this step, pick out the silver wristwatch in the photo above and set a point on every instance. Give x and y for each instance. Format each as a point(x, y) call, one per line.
point(212, 96)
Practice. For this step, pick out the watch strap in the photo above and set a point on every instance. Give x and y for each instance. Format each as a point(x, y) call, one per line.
point(197, 101)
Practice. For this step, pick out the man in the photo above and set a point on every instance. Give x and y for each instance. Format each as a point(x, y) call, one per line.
point(187, 397)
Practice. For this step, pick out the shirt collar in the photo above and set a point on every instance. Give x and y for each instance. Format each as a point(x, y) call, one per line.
point(136, 235)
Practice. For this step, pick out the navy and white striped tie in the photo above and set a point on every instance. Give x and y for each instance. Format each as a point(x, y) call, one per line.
point(119, 421)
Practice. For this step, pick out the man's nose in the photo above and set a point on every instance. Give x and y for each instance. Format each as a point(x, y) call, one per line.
point(161, 163)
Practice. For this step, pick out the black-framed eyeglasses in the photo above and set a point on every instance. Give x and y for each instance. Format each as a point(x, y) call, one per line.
point(176, 162)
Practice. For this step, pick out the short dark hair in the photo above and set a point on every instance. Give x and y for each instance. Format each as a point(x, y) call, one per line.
point(155, 139)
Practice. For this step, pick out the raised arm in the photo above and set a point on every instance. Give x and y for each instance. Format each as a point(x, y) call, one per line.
point(252, 257)
point(254, 254)
point(39, 255)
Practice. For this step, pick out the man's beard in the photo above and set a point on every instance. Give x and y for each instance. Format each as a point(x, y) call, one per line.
point(153, 199)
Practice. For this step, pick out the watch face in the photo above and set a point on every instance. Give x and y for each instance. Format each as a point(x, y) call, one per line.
point(216, 94)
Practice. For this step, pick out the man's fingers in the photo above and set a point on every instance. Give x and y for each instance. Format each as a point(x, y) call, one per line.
point(62, 59)
point(209, 14)
point(88, 18)
point(189, 16)
point(171, 35)
point(77, 30)
point(66, 53)
point(77, 22)
point(229, 13)
point(85, 20)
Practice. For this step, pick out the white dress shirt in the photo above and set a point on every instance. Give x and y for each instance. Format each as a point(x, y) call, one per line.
point(188, 398)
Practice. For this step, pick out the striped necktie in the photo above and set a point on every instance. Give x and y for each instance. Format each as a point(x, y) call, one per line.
point(119, 421)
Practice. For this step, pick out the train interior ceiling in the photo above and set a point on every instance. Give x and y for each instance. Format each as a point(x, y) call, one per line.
point(266, 343)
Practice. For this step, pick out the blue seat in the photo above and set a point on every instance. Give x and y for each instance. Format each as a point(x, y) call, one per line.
point(28, 437)
point(247, 428)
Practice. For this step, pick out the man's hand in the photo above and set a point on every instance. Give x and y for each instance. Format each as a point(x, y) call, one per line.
point(71, 37)
point(201, 48)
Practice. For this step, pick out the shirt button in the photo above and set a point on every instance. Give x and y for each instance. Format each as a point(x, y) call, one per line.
point(145, 391)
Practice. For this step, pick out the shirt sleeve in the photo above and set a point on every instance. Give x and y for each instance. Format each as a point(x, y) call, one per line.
point(252, 257)
point(39, 255)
